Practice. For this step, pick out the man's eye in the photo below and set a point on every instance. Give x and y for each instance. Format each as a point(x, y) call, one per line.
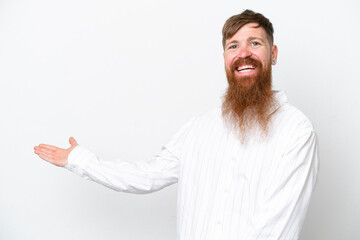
point(255, 44)
point(232, 47)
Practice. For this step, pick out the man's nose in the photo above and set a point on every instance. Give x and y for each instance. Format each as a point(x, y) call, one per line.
point(244, 52)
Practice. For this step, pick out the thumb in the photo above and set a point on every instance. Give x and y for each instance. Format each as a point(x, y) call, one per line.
point(73, 142)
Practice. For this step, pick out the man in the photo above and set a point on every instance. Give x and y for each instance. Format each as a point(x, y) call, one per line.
point(245, 171)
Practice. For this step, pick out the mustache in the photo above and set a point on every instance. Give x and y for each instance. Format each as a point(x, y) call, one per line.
point(245, 61)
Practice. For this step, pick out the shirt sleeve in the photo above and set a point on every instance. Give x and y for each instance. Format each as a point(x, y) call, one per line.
point(286, 198)
point(132, 177)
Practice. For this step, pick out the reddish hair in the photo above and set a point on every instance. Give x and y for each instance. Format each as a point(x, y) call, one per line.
point(234, 23)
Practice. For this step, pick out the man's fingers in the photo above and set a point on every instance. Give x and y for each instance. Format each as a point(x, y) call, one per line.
point(43, 150)
point(47, 146)
point(46, 157)
point(50, 159)
point(52, 154)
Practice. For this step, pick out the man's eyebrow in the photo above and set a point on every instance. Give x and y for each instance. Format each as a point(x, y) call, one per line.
point(255, 38)
point(248, 40)
point(233, 41)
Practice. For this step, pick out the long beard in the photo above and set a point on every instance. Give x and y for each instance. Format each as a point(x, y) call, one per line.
point(247, 101)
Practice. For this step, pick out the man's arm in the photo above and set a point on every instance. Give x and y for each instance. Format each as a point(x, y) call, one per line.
point(286, 198)
point(134, 177)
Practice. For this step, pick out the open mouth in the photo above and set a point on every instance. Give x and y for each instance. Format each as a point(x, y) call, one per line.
point(245, 68)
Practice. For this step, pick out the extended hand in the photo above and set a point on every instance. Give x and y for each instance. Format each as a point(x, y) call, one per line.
point(55, 155)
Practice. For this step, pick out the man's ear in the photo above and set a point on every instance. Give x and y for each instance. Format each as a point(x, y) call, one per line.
point(274, 53)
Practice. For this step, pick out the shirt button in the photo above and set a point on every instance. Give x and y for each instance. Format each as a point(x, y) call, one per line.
point(233, 158)
point(226, 190)
point(218, 222)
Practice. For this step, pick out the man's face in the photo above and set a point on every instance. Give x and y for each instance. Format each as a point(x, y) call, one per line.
point(248, 53)
point(248, 99)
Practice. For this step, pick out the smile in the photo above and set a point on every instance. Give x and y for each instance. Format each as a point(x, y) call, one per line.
point(245, 68)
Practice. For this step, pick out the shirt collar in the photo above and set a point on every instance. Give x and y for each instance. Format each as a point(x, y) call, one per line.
point(280, 99)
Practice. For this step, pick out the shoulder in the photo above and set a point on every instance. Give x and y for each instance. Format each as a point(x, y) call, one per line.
point(287, 117)
point(291, 127)
point(293, 134)
point(194, 129)
point(208, 118)
point(209, 114)
point(292, 118)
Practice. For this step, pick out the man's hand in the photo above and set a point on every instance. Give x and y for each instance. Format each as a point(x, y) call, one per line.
point(55, 155)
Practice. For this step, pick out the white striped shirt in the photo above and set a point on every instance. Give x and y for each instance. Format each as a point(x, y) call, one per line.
point(228, 190)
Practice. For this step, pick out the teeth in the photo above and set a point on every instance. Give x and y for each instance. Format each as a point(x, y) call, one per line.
point(245, 68)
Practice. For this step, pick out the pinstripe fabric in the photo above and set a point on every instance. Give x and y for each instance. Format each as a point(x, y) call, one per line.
point(228, 190)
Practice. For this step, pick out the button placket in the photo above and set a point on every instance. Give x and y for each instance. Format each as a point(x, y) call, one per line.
point(230, 170)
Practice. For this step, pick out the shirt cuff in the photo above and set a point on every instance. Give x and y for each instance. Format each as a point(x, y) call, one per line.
point(78, 157)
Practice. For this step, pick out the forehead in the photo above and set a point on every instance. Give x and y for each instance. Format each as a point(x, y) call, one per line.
point(250, 30)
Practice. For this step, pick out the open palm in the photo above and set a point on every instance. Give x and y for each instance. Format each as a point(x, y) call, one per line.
point(55, 155)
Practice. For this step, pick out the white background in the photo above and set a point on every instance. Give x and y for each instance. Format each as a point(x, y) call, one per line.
point(123, 76)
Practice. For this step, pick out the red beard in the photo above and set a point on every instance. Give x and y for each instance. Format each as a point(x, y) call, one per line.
point(248, 99)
